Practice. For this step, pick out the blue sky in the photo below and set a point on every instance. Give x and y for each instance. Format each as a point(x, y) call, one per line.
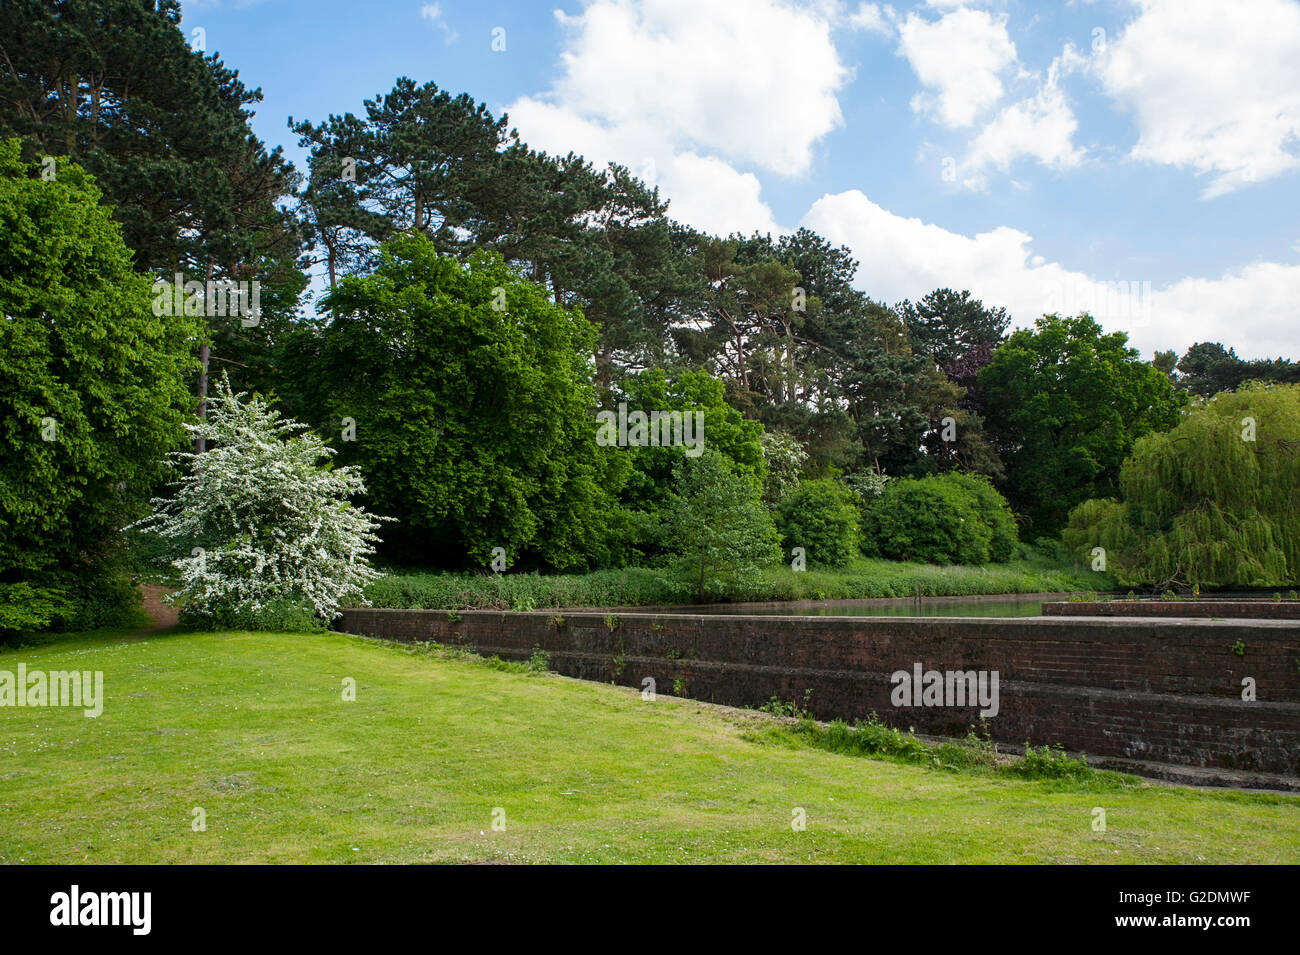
point(1034, 153)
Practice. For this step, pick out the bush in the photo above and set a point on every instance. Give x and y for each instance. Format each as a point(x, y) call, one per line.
point(993, 508)
point(942, 519)
point(820, 516)
point(262, 528)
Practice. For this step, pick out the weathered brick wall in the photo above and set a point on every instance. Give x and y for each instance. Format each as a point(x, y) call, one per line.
point(1160, 690)
point(1220, 609)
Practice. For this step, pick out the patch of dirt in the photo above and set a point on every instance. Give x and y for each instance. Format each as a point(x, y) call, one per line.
point(161, 616)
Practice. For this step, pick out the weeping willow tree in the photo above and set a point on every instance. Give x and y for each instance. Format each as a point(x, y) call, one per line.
point(1215, 502)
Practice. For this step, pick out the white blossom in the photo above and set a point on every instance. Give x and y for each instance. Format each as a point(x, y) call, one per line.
point(262, 517)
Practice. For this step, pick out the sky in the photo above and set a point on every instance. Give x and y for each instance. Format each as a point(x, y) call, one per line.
point(1138, 159)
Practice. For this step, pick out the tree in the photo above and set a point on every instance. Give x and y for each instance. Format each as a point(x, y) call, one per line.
point(724, 429)
point(718, 527)
point(1208, 368)
point(423, 161)
point(945, 325)
point(165, 130)
point(1066, 402)
point(92, 395)
point(1165, 362)
point(1215, 502)
point(464, 394)
point(261, 528)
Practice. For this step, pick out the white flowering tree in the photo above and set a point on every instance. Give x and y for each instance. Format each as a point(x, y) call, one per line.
point(261, 521)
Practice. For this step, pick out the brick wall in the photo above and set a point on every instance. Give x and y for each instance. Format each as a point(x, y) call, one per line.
point(1160, 690)
point(1235, 609)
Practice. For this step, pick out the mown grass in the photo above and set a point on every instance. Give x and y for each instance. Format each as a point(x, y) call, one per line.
point(633, 587)
point(253, 729)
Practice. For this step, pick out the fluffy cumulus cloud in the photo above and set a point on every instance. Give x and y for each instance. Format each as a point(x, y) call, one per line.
point(689, 92)
point(1041, 127)
point(1213, 87)
point(703, 191)
point(1253, 307)
point(873, 18)
point(959, 59)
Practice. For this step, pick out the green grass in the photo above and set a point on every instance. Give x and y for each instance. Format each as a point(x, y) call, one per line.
point(641, 586)
point(253, 729)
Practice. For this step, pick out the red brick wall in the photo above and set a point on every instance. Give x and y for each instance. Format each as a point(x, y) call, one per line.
point(1161, 690)
point(1221, 609)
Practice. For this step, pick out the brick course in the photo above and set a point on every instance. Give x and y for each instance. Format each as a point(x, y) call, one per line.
point(1161, 690)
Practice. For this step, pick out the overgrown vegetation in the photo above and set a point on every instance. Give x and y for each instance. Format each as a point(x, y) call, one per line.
point(872, 737)
point(1032, 573)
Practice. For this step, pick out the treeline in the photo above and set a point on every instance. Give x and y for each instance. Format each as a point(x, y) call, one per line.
point(483, 300)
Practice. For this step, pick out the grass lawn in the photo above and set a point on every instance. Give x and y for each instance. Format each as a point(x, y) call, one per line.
point(253, 729)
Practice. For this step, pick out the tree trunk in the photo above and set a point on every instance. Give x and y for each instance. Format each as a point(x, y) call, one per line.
point(201, 443)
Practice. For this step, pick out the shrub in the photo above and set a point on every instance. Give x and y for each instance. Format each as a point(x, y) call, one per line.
point(820, 517)
point(717, 526)
point(942, 519)
point(261, 529)
point(993, 508)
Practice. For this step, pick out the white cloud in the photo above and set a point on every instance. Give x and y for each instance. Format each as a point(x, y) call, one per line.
point(872, 18)
point(1213, 87)
point(686, 91)
point(1041, 127)
point(958, 58)
point(432, 12)
point(704, 191)
point(757, 85)
point(1252, 307)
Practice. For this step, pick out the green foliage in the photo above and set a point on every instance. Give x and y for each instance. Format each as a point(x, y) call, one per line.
point(717, 526)
point(633, 586)
point(164, 129)
point(91, 398)
point(821, 517)
point(1050, 762)
point(785, 459)
point(1066, 403)
point(626, 587)
point(474, 411)
point(942, 519)
point(1202, 504)
point(945, 324)
point(726, 431)
point(1208, 368)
